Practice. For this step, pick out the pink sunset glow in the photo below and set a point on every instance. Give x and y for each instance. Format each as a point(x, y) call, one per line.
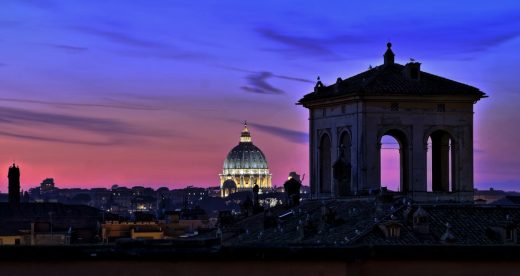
point(154, 95)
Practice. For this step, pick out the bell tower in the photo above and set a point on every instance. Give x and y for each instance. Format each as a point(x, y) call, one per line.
point(14, 184)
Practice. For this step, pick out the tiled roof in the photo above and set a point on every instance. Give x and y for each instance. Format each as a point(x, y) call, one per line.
point(507, 200)
point(391, 79)
point(351, 217)
point(39, 210)
point(62, 215)
point(358, 222)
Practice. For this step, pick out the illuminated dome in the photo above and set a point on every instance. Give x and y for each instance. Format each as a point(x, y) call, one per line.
point(245, 156)
point(246, 165)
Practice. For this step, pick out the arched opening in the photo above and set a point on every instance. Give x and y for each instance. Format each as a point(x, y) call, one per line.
point(440, 163)
point(325, 164)
point(394, 161)
point(343, 174)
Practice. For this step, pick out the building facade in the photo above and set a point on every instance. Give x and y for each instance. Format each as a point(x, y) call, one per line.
point(348, 119)
point(246, 166)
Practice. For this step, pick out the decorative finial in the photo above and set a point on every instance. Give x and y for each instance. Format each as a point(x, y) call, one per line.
point(318, 85)
point(389, 55)
point(245, 136)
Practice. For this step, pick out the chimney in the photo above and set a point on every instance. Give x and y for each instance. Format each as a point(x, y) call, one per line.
point(389, 55)
point(412, 70)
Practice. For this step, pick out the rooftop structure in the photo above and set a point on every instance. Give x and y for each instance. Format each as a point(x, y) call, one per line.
point(348, 119)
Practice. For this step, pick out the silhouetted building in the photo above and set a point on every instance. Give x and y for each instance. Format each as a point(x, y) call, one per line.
point(113, 230)
point(47, 185)
point(14, 184)
point(350, 117)
point(50, 223)
point(246, 165)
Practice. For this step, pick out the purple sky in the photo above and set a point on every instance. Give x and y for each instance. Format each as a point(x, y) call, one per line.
point(95, 93)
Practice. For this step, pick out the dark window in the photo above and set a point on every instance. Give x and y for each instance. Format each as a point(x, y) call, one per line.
point(510, 234)
point(394, 107)
point(324, 111)
point(17, 241)
point(441, 108)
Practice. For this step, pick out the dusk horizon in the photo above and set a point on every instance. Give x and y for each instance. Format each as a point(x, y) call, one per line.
point(259, 137)
point(155, 95)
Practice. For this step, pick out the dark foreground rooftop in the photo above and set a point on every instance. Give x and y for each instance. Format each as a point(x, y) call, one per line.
point(376, 222)
point(332, 237)
point(355, 260)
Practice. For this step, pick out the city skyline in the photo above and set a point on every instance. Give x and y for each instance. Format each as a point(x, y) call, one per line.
point(136, 94)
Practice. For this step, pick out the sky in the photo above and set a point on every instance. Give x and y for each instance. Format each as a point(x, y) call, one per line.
point(101, 92)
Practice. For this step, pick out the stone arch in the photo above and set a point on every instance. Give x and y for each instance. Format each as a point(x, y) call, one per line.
point(428, 132)
point(325, 163)
point(403, 137)
point(443, 152)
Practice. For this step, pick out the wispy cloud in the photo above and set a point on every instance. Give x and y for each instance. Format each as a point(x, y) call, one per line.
point(295, 45)
point(42, 138)
point(142, 47)
point(284, 77)
point(21, 116)
point(459, 38)
point(463, 36)
point(71, 104)
point(40, 4)
point(69, 48)
point(110, 130)
point(310, 45)
point(258, 84)
point(290, 135)
point(292, 78)
point(121, 38)
point(258, 80)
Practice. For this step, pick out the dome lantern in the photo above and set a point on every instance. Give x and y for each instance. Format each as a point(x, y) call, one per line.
point(245, 137)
